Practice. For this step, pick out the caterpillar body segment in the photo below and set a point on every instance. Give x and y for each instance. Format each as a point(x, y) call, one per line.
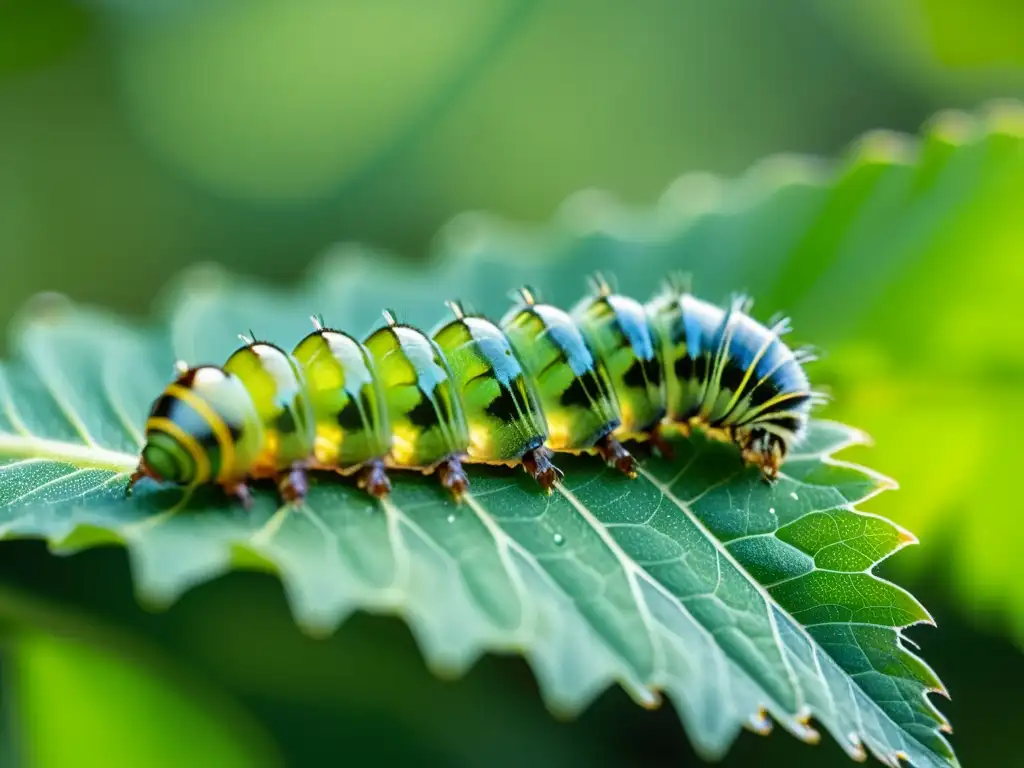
point(279, 396)
point(428, 424)
point(352, 433)
point(202, 429)
point(503, 414)
point(540, 382)
point(684, 328)
point(731, 376)
point(577, 399)
point(618, 331)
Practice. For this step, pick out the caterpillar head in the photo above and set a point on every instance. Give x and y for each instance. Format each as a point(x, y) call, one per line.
point(170, 455)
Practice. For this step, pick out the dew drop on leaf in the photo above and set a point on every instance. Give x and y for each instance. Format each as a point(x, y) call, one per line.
point(559, 539)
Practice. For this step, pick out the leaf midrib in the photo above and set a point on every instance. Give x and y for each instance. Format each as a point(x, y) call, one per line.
point(76, 454)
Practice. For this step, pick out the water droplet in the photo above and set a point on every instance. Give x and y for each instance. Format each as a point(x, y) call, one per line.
point(451, 518)
point(771, 510)
point(559, 539)
point(793, 495)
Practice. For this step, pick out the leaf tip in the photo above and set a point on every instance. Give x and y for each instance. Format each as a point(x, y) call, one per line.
point(692, 195)
point(760, 723)
point(884, 147)
point(1005, 116)
point(786, 170)
point(649, 698)
point(952, 126)
point(802, 729)
point(589, 211)
point(905, 537)
point(855, 748)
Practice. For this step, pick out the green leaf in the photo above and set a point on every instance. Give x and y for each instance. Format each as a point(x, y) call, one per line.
point(696, 581)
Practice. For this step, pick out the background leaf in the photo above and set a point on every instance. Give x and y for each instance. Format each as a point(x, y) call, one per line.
point(112, 699)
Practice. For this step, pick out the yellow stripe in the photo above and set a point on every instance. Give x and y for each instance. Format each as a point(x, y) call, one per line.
point(766, 407)
point(746, 377)
point(778, 366)
point(713, 386)
point(216, 424)
point(202, 461)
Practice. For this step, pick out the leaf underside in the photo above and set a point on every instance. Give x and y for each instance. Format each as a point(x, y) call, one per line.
point(737, 600)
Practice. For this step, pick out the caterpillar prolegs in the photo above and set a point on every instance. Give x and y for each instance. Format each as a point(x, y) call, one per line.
point(540, 382)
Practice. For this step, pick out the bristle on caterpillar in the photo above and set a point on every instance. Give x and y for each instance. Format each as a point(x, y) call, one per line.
point(609, 372)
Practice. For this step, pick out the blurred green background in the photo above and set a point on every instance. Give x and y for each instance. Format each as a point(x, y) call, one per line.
point(137, 138)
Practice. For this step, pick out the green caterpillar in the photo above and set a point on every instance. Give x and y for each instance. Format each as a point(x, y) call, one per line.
point(541, 382)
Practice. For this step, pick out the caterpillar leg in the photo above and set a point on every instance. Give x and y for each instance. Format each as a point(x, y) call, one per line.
point(661, 445)
point(763, 450)
point(293, 485)
point(240, 491)
point(453, 476)
point(612, 451)
point(537, 464)
point(374, 479)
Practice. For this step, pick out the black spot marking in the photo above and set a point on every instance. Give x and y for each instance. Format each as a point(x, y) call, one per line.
point(654, 372)
point(349, 417)
point(785, 422)
point(684, 368)
point(504, 407)
point(763, 392)
point(286, 424)
point(634, 377)
point(700, 368)
point(575, 395)
point(732, 377)
point(424, 415)
point(162, 407)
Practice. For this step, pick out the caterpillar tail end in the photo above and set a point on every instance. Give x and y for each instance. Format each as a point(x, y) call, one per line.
point(613, 452)
point(537, 464)
point(453, 477)
point(374, 479)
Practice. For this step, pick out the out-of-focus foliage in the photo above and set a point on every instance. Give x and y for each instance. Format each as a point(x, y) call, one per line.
point(79, 695)
point(933, 366)
point(943, 45)
point(152, 138)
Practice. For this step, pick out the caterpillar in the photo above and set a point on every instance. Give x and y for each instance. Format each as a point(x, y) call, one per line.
point(540, 382)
